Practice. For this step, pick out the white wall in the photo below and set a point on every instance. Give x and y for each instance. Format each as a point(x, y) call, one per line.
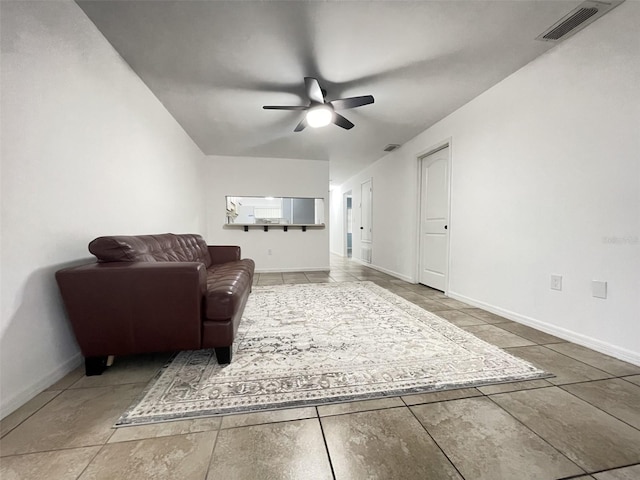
point(545, 179)
point(243, 177)
point(87, 150)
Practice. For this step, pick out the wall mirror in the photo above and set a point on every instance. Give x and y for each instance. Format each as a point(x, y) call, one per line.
point(275, 211)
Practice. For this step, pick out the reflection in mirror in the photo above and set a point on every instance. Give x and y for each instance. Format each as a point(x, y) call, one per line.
point(275, 211)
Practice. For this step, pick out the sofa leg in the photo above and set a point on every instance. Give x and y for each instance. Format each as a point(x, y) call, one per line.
point(95, 365)
point(223, 354)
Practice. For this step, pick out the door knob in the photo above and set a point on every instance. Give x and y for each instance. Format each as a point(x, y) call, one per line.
point(446, 226)
point(361, 228)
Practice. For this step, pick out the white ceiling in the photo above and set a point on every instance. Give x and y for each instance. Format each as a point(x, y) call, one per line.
point(214, 64)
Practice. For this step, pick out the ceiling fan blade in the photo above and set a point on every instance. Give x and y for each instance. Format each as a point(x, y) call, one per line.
point(314, 92)
point(351, 102)
point(302, 125)
point(285, 107)
point(341, 121)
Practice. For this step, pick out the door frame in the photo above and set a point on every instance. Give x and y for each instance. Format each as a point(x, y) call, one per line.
point(420, 156)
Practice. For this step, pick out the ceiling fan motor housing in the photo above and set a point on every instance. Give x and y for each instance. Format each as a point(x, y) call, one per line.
point(319, 112)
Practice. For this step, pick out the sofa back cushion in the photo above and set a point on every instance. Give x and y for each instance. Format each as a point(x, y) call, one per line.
point(166, 247)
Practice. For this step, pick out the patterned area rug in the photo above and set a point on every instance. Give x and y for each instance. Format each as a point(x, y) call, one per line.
point(313, 344)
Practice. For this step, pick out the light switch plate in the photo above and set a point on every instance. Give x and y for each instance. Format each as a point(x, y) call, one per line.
point(599, 289)
point(556, 282)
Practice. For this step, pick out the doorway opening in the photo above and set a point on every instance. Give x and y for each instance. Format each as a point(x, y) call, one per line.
point(366, 217)
point(348, 219)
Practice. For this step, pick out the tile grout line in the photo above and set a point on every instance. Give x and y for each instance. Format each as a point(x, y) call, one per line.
point(4, 434)
point(592, 381)
point(567, 356)
point(595, 406)
point(435, 442)
point(53, 450)
point(615, 468)
point(602, 471)
point(213, 449)
point(91, 461)
point(536, 433)
point(326, 445)
point(624, 377)
point(581, 361)
point(580, 475)
point(531, 340)
point(265, 423)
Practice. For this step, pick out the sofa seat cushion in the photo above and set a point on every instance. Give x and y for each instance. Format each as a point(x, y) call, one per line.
point(166, 247)
point(227, 285)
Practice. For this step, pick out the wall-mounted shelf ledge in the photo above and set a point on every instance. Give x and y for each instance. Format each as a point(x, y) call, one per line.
point(266, 226)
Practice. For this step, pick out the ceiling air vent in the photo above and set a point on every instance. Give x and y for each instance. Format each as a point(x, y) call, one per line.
point(391, 147)
point(577, 19)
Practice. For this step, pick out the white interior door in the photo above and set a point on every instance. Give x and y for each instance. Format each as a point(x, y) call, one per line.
point(434, 218)
point(366, 233)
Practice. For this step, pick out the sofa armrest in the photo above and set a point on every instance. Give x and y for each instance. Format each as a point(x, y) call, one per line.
point(119, 308)
point(223, 253)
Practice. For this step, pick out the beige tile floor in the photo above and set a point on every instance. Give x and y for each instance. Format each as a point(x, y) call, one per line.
point(582, 424)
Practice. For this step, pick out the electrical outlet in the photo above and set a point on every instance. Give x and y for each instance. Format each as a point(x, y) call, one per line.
point(556, 282)
point(269, 252)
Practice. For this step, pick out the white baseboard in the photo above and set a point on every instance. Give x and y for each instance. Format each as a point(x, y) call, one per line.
point(339, 254)
point(297, 269)
point(620, 353)
point(18, 399)
point(384, 270)
point(326, 269)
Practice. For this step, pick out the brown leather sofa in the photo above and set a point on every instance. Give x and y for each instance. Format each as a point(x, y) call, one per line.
point(155, 293)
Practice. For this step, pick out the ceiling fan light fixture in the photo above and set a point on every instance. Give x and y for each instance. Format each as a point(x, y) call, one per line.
point(319, 116)
point(319, 112)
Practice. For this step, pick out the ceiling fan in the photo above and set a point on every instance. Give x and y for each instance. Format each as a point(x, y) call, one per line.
point(320, 112)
